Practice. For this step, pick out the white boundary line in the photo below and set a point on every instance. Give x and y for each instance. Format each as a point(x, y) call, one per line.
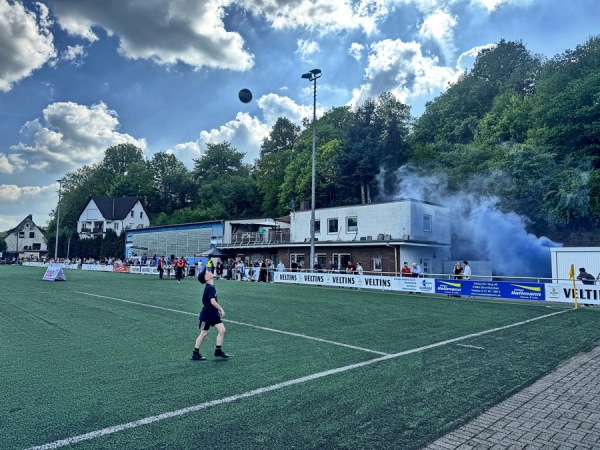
point(243, 324)
point(273, 387)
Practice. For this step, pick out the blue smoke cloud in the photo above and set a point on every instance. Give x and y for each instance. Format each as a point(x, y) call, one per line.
point(480, 231)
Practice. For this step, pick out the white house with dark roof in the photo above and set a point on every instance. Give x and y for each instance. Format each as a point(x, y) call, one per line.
point(100, 214)
point(26, 239)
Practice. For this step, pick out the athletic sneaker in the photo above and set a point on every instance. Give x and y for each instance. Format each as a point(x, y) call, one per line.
point(221, 354)
point(197, 357)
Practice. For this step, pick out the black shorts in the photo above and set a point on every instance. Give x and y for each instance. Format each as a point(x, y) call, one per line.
point(206, 325)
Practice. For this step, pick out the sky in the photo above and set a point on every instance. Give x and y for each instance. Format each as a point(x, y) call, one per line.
point(79, 76)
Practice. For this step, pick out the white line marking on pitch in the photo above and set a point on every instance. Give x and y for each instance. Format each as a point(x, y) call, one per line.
point(243, 324)
point(470, 346)
point(274, 387)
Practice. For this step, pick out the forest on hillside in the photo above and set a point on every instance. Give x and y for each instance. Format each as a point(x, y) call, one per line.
point(517, 128)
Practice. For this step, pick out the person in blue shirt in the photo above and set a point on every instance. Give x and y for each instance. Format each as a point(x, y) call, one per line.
point(211, 316)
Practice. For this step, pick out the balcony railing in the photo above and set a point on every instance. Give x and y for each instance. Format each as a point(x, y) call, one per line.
point(85, 230)
point(256, 238)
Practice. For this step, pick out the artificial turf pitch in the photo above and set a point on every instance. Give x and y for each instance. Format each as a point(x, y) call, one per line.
point(102, 360)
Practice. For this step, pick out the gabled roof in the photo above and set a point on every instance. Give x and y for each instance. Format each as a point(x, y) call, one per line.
point(29, 218)
point(112, 208)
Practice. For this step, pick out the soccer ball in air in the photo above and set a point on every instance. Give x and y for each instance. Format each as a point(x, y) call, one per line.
point(245, 95)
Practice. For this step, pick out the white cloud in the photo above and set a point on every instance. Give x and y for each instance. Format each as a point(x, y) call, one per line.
point(490, 5)
point(275, 106)
point(75, 54)
point(187, 31)
point(402, 69)
point(5, 165)
point(466, 59)
point(306, 49)
point(439, 27)
point(356, 50)
point(69, 136)
point(245, 134)
point(322, 16)
point(16, 202)
point(25, 42)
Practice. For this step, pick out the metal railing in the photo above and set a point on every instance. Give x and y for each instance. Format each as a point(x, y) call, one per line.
point(257, 238)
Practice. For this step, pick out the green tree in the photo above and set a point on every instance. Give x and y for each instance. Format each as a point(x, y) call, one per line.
point(223, 179)
point(138, 181)
point(329, 189)
point(376, 140)
point(118, 159)
point(173, 184)
point(567, 103)
point(276, 153)
point(454, 116)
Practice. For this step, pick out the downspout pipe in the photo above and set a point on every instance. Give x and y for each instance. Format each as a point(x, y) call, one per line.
point(395, 258)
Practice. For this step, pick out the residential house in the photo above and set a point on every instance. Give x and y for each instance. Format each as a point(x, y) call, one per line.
point(100, 214)
point(26, 240)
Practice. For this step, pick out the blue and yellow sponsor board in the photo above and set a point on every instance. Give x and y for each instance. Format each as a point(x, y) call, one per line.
point(491, 289)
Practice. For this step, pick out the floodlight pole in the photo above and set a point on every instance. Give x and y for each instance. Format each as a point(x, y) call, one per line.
point(312, 76)
point(57, 219)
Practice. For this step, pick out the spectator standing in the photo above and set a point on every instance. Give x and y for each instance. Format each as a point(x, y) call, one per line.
point(161, 266)
point(184, 267)
point(241, 270)
point(350, 268)
point(359, 268)
point(280, 267)
point(416, 271)
point(458, 271)
point(405, 271)
point(219, 268)
point(262, 276)
point(586, 278)
point(177, 269)
point(466, 270)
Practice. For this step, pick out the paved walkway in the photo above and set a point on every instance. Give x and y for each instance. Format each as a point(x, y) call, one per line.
point(560, 411)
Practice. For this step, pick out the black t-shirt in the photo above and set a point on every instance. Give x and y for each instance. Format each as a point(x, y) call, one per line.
point(586, 278)
point(209, 313)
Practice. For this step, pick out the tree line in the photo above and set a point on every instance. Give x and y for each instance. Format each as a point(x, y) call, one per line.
point(517, 126)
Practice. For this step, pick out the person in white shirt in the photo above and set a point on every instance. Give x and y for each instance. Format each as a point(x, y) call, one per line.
point(466, 270)
point(416, 271)
point(280, 267)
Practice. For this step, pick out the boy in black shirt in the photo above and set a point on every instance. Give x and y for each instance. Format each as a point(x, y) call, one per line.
point(210, 316)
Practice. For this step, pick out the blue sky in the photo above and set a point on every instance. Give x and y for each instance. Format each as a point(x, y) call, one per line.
point(78, 76)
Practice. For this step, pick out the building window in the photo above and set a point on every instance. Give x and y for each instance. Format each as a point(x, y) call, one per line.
point(322, 259)
point(317, 226)
point(141, 214)
point(352, 224)
point(426, 222)
point(376, 264)
point(332, 225)
point(298, 258)
point(132, 214)
point(31, 234)
point(21, 234)
point(116, 225)
point(341, 260)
